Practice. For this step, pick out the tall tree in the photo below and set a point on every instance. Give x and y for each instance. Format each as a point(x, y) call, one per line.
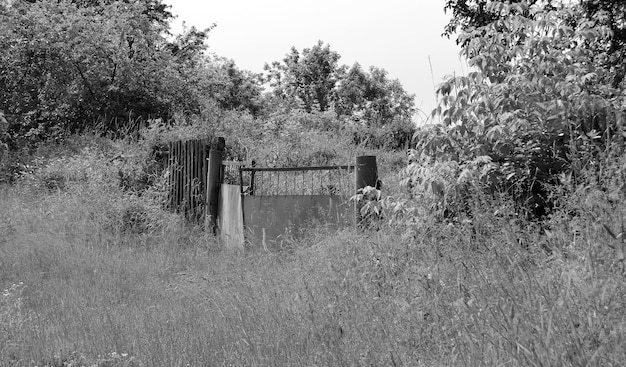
point(309, 77)
point(316, 80)
point(372, 98)
point(351, 91)
point(240, 89)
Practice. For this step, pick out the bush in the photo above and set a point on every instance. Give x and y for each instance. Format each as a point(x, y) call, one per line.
point(534, 109)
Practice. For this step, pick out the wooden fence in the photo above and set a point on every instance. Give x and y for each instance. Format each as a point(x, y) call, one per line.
point(187, 172)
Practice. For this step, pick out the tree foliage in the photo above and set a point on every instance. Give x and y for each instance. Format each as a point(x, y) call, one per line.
point(372, 97)
point(112, 65)
point(240, 89)
point(73, 64)
point(468, 15)
point(540, 104)
point(316, 81)
point(310, 77)
point(68, 65)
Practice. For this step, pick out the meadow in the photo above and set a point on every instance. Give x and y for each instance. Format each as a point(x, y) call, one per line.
point(95, 275)
point(497, 238)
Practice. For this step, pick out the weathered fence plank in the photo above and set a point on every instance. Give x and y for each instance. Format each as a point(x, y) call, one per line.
point(187, 178)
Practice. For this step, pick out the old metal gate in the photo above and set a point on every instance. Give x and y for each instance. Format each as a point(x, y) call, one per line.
point(272, 205)
point(265, 205)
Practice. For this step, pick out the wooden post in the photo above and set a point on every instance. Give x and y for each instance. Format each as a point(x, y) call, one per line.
point(170, 178)
point(204, 162)
point(366, 175)
point(213, 183)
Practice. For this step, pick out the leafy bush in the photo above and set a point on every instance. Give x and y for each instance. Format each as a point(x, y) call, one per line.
point(538, 104)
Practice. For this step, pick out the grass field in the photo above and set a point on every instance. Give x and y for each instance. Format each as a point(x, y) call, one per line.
point(84, 285)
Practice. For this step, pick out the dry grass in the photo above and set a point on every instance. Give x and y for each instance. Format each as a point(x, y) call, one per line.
point(86, 287)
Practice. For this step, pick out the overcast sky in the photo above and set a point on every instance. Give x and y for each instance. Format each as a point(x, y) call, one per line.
point(396, 35)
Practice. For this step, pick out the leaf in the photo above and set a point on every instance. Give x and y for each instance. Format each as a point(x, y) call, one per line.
point(437, 188)
point(495, 132)
point(590, 77)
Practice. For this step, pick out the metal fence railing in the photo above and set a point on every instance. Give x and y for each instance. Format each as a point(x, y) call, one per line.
point(315, 180)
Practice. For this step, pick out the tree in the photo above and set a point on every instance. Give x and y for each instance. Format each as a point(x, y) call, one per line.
point(351, 91)
point(309, 78)
point(189, 47)
point(316, 80)
point(240, 90)
point(375, 108)
point(372, 98)
point(73, 64)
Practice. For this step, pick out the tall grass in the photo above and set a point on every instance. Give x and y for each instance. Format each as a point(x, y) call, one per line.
point(85, 283)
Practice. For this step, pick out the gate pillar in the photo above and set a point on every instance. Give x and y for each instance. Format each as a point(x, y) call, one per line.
point(213, 183)
point(366, 175)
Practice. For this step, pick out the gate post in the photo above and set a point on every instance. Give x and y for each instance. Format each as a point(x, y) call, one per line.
point(366, 175)
point(213, 182)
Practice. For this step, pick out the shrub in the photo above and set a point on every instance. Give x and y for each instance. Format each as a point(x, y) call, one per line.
point(536, 108)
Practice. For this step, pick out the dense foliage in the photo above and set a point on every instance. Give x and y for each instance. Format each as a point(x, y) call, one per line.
point(374, 109)
point(310, 77)
point(70, 65)
point(315, 79)
point(468, 14)
point(112, 66)
point(539, 107)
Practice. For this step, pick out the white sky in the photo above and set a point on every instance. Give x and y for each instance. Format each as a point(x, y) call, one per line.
point(396, 35)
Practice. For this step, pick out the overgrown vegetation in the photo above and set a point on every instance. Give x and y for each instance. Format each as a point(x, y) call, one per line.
point(498, 240)
point(542, 106)
point(106, 273)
